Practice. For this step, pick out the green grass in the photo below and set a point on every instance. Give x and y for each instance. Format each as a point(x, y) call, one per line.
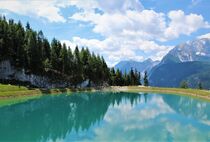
point(202, 94)
point(7, 91)
point(10, 94)
point(6, 88)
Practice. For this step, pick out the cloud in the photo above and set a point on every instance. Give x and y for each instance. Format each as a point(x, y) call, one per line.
point(145, 24)
point(69, 44)
point(115, 49)
point(195, 2)
point(204, 36)
point(129, 30)
point(45, 9)
point(136, 31)
point(112, 6)
point(184, 24)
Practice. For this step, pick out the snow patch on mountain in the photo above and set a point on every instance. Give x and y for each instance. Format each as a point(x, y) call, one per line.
point(197, 50)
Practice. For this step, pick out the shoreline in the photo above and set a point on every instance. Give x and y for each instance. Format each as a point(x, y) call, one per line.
point(194, 93)
point(23, 92)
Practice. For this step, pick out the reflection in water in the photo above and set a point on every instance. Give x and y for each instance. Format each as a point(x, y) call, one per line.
point(106, 117)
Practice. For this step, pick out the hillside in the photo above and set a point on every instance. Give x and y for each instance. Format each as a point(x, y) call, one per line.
point(125, 66)
point(188, 61)
point(172, 74)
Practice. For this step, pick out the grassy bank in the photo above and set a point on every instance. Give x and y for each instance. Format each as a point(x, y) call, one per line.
point(202, 94)
point(10, 94)
point(10, 91)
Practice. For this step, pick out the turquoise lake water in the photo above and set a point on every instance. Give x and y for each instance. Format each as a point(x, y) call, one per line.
point(106, 117)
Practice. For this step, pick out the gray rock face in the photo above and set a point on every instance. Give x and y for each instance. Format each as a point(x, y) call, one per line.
point(6, 69)
point(196, 50)
point(8, 72)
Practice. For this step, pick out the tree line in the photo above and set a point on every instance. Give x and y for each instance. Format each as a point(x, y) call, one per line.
point(30, 50)
point(117, 78)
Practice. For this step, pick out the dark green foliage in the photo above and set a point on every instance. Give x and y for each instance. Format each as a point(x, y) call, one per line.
point(119, 79)
point(64, 58)
point(30, 50)
point(146, 82)
point(55, 55)
point(200, 86)
point(184, 84)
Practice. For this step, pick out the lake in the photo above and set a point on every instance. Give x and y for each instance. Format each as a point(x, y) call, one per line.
point(106, 117)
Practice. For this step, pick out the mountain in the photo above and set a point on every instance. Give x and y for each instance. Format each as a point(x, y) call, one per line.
point(172, 74)
point(197, 50)
point(189, 62)
point(125, 66)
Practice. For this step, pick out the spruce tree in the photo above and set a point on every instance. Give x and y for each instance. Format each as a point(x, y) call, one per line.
point(64, 58)
point(55, 55)
point(184, 84)
point(200, 86)
point(146, 82)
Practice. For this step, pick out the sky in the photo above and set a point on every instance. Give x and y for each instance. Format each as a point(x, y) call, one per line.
point(116, 29)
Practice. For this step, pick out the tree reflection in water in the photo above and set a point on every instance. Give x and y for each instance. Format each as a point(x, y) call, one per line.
point(106, 116)
point(53, 117)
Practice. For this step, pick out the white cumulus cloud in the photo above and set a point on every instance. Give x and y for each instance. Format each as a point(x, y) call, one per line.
point(204, 36)
point(184, 24)
point(129, 30)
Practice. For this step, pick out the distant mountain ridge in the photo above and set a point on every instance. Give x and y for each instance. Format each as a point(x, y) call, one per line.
point(189, 62)
point(125, 66)
point(196, 50)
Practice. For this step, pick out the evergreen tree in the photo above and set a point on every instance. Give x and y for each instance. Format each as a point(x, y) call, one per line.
point(200, 86)
point(30, 50)
point(146, 82)
point(70, 63)
point(64, 58)
point(33, 60)
point(118, 78)
point(132, 77)
point(85, 55)
point(77, 70)
point(46, 51)
point(112, 77)
point(55, 55)
point(184, 84)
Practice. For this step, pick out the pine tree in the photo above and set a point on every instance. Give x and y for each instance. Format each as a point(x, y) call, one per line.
point(64, 58)
point(112, 77)
point(118, 78)
point(70, 64)
point(200, 86)
point(132, 77)
point(85, 54)
point(30, 50)
point(184, 84)
point(33, 53)
point(77, 70)
point(55, 55)
point(146, 82)
point(46, 51)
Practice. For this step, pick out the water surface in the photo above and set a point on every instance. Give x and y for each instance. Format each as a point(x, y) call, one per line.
point(107, 117)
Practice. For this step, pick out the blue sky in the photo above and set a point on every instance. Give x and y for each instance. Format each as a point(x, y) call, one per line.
point(117, 29)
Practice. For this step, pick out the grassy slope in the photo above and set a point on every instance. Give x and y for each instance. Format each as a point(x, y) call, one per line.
point(202, 94)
